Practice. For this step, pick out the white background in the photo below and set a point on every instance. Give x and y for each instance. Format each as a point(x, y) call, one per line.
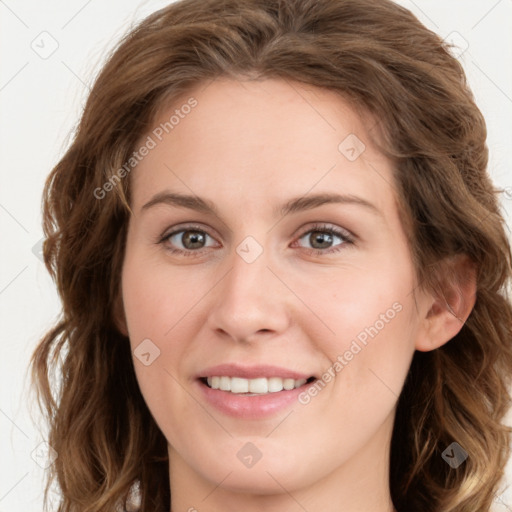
point(40, 101)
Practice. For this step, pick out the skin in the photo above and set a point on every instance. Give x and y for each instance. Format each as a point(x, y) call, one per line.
point(248, 147)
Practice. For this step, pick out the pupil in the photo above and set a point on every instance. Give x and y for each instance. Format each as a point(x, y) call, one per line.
point(324, 239)
point(192, 238)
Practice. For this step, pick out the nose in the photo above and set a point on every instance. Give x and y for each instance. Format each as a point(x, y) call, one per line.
point(251, 301)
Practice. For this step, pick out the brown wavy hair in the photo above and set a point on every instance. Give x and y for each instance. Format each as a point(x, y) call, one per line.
point(376, 55)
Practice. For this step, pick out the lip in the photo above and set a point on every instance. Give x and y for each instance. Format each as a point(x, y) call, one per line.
point(251, 372)
point(250, 407)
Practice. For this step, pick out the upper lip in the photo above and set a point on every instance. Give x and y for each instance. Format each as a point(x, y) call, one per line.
point(252, 372)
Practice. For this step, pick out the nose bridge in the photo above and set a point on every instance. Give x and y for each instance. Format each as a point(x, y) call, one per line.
point(248, 281)
point(248, 299)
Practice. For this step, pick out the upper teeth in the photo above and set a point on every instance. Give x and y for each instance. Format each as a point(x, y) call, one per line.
point(259, 385)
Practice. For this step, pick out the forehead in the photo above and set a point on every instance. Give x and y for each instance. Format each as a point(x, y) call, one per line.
point(265, 140)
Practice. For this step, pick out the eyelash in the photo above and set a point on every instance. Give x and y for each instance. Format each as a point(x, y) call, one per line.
point(322, 228)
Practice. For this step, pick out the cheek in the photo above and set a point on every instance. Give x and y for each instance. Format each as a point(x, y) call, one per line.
point(370, 356)
point(159, 304)
point(156, 298)
point(360, 304)
point(371, 319)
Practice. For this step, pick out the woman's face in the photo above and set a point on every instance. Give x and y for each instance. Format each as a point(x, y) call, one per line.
point(285, 262)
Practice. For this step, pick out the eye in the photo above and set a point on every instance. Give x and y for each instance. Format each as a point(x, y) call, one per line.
point(321, 239)
point(188, 241)
point(192, 241)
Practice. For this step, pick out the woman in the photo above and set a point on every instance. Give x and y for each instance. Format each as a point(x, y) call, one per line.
point(283, 270)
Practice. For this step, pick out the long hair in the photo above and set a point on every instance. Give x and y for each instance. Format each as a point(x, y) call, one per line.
point(381, 59)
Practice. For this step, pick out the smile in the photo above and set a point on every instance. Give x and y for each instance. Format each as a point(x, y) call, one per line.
point(257, 386)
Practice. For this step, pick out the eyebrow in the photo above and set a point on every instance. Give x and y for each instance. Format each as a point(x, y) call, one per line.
point(294, 205)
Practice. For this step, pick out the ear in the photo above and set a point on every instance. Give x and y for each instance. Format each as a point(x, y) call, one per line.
point(119, 316)
point(449, 306)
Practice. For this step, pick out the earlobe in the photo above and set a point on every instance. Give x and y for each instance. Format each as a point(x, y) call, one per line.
point(454, 299)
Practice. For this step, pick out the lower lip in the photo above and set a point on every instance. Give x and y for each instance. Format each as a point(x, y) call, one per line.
point(239, 405)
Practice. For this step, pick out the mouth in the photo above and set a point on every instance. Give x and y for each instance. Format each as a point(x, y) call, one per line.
point(255, 392)
point(254, 387)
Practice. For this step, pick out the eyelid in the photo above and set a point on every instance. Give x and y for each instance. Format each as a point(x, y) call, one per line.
point(326, 226)
point(347, 236)
point(184, 226)
point(321, 226)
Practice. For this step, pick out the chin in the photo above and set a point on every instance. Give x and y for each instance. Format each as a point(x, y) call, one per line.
point(275, 469)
